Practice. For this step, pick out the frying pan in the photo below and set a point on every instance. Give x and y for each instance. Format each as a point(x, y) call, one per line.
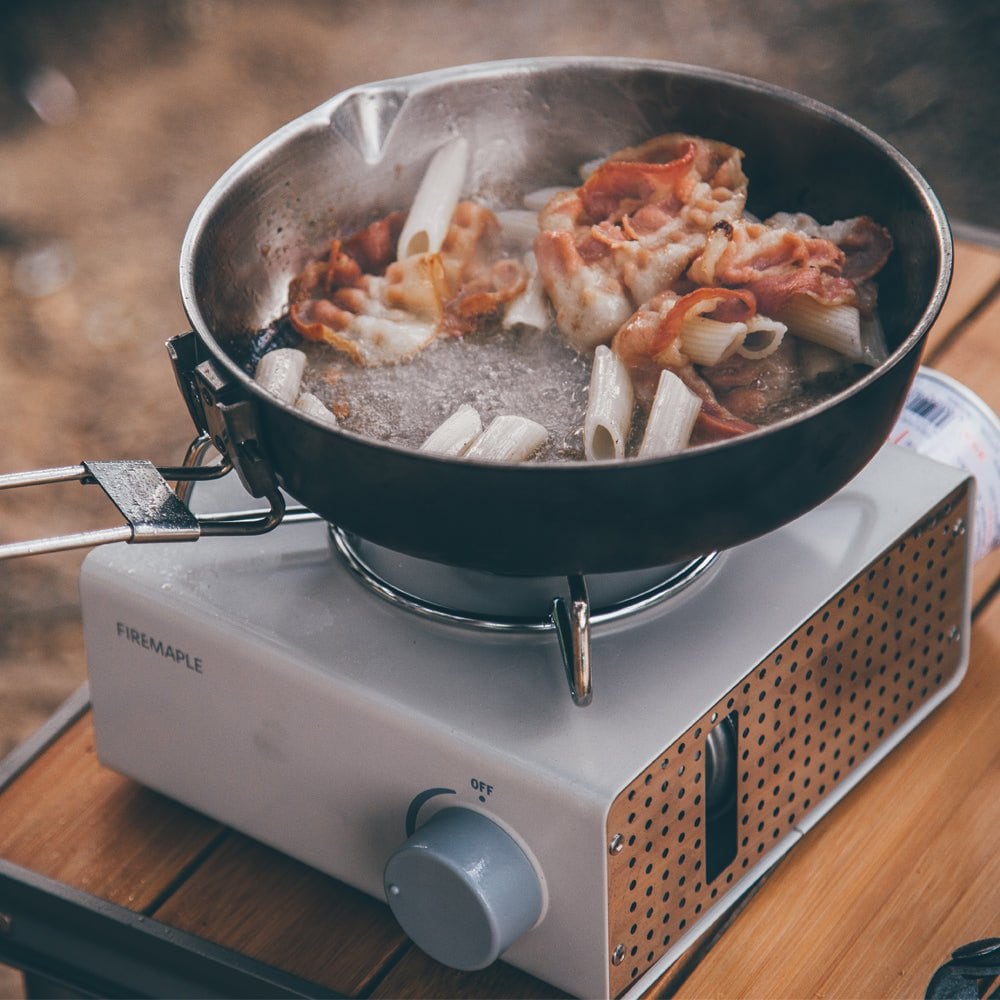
point(530, 123)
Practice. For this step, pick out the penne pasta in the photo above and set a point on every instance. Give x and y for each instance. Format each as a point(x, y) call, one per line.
point(587, 168)
point(608, 419)
point(764, 337)
point(709, 341)
point(837, 327)
point(430, 215)
point(531, 307)
point(671, 418)
point(312, 406)
point(518, 229)
point(873, 346)
point(508, 439)
point(537, 200)
point(280, 373)
point(454, 435)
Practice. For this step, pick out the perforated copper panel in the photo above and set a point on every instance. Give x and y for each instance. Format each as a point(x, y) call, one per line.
point(805, 717)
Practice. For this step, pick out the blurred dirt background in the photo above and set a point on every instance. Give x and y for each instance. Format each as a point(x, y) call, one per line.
point(116, 117)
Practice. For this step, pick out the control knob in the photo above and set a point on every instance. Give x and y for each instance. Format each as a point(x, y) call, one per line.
point(462, 889)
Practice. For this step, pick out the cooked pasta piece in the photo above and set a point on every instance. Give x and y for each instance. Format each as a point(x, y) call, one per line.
point(587, 168)
point(610, 404)
point(873, 346)
point(280, 373)
point(430, 214)
point(671, 418)
point(764, 336)
point(454, 435)
point(312, 406)
point(518, 228)
point(708, 341)
point(531, 307)
point(835, 326)
point(508, 439)
point(654, 333)
point(537, 200)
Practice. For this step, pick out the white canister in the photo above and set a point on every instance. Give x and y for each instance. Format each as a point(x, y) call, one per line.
point(946, 421)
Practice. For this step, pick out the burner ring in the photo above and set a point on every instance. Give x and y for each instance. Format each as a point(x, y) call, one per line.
point(679, 579)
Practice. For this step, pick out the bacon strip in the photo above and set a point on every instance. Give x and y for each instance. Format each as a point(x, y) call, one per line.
point(620, 186)
point(374, 247)
point(866, 246)
point(776, 263)
point(580, 279)
point(632, 228)
point(651, 333)
point(379, 310)
point(648, 342)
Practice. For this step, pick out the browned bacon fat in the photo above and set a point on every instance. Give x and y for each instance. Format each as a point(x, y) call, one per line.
point(632, 228)
point(379, 310)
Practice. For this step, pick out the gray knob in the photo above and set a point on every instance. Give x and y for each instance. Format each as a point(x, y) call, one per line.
point(462, 889)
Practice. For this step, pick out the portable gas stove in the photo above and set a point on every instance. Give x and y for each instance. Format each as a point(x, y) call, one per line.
point(320, 698)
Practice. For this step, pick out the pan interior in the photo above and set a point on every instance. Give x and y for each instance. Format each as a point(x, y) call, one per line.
point(531, 125)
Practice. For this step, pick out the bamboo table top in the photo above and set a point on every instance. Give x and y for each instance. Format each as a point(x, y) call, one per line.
point(903, 871)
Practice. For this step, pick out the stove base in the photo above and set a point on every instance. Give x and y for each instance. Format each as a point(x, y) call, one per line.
point(258, 682)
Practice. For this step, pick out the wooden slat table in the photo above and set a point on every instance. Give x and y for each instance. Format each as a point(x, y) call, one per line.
point(868, 904)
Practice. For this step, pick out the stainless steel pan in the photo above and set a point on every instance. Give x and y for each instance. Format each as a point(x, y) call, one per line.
point(530, 123)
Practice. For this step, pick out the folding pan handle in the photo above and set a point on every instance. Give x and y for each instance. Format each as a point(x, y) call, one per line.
point(153, 511)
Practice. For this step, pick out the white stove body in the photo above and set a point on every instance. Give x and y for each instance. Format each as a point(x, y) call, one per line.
point(257, 681)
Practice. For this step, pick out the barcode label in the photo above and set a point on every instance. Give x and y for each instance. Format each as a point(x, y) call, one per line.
point(931, 410)
point(946, 421)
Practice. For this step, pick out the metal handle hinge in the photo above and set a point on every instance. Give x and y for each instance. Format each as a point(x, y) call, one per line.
point(222, 412)
point(231, 422)
point(183, 353)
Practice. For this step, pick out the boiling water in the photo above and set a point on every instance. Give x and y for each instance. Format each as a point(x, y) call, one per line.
point(525, 372)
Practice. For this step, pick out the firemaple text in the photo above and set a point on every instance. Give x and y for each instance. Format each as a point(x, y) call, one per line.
point(165, 650)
